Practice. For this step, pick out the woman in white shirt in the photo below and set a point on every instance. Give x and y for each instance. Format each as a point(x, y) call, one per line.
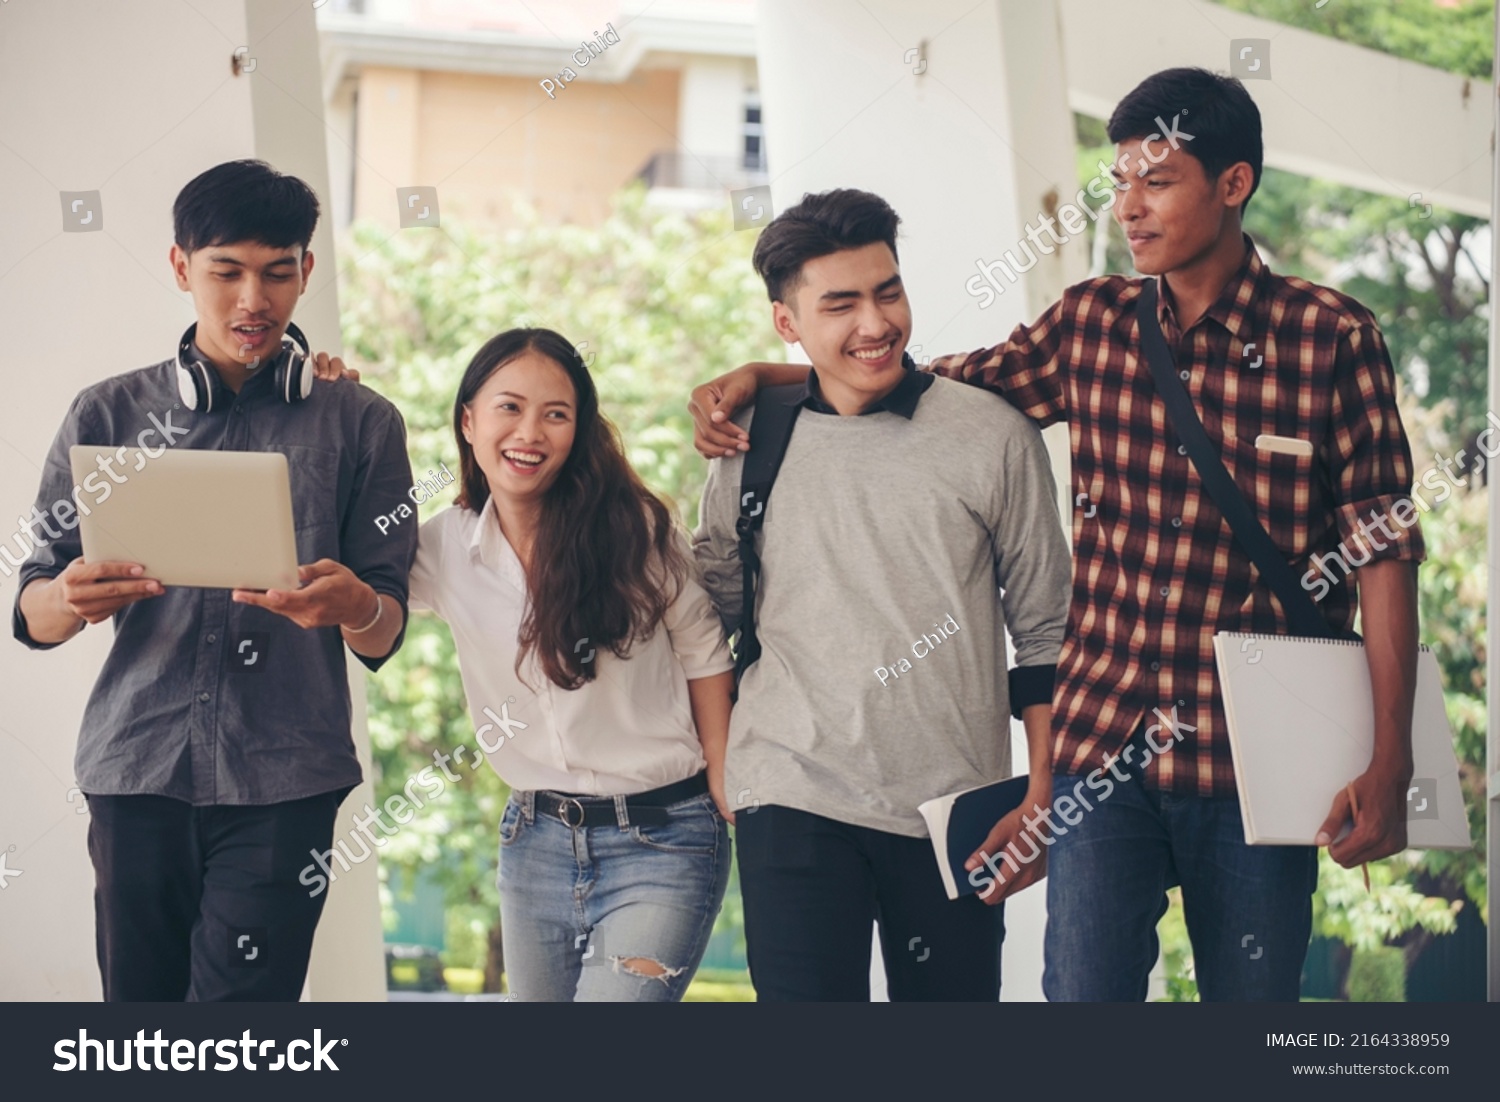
point(597, 673)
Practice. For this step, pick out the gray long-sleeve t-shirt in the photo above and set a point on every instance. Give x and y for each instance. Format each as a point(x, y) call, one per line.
point(894, 554)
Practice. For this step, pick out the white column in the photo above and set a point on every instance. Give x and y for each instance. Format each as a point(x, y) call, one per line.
point(131, 101)
point(969, 149)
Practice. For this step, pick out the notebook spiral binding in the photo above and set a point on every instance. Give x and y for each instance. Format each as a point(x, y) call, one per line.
point(1304, 639)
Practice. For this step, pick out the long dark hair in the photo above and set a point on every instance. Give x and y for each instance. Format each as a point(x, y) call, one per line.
point(605, 567)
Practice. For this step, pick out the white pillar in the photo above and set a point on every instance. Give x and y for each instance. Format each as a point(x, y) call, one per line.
point(131, 101)
point(969, 149)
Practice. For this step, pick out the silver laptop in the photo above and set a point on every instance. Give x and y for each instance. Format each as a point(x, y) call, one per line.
point(219, 519)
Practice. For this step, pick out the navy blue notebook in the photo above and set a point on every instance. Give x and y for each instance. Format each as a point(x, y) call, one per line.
point(959, 824)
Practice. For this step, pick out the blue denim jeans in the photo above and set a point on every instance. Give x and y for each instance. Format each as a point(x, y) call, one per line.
point(620, 913)
point(1248, 908)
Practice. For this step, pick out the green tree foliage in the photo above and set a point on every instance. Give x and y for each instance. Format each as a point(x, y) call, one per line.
point(656, 302)
point(1452, 599)
point(1377, 975)
point(1458, 39)
point(1362, 919)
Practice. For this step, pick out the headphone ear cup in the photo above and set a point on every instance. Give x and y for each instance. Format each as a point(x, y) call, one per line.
point(294, 378)
point(193, 387)
point(295, 375)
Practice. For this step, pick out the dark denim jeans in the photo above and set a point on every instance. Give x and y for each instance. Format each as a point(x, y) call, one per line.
point(813, 888)
point(1248, 908)
point(204, 904)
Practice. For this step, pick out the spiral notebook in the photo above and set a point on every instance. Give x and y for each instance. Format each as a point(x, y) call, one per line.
point(1301, 727)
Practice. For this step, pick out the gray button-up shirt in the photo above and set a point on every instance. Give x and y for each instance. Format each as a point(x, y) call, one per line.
point(202, 699)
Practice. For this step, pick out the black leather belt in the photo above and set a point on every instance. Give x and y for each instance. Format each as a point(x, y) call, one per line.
point(645, 808)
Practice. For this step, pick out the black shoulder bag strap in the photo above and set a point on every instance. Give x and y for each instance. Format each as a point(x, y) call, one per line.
point(1302, 613)
point(769, 432)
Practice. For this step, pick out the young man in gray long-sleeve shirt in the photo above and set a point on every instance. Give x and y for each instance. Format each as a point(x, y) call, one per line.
point(891, 568)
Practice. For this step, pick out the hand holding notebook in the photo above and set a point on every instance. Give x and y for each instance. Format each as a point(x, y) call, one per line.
point(1301, 727)
point(959, 825)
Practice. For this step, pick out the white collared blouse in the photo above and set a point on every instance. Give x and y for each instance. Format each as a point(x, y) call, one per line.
point(628, 730)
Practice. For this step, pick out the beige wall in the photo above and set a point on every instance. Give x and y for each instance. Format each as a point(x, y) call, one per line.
point(485, 141)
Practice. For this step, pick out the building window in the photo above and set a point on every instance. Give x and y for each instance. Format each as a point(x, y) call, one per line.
point(754, 135)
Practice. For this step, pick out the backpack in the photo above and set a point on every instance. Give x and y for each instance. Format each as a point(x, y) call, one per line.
point(769, 433)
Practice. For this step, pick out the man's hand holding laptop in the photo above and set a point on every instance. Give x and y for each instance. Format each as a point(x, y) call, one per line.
point(89, 593)
point(330, 595)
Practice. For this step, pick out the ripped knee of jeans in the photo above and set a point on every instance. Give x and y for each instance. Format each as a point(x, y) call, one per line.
point(646, 968)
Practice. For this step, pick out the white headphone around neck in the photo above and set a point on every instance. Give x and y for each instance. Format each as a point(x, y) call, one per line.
point(293, 375)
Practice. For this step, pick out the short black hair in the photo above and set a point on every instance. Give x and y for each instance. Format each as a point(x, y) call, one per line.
point(244, 201)
point(1216, 110)
point(828, 222)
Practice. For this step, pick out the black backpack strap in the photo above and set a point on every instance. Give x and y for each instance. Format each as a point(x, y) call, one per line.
point(775, 415)
point(1302, 613)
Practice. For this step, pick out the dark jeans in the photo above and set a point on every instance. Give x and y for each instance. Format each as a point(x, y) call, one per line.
point(1248, 908)
point(812, 886)
point(203, 904)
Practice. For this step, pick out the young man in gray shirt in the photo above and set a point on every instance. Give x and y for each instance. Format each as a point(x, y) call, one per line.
point(215, 748)
point(891, 567)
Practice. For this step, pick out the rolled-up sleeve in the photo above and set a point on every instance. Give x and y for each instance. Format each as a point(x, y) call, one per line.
point(50, 557)
point(693, 625)
point(715, 542)
point(1032, 564)
point(381, 560)
point(1369, 456)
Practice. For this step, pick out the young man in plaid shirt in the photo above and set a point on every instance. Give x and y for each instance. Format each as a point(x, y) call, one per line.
point(1142, 773)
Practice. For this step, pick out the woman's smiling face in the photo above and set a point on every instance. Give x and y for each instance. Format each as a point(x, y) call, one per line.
point(521, 425)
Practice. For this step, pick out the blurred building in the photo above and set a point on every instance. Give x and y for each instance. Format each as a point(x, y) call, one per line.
point(450, 94)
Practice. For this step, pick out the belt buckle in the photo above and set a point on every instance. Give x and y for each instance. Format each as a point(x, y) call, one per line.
point(562, 811)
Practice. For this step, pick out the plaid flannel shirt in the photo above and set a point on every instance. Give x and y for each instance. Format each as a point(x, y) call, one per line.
point(1156, 569)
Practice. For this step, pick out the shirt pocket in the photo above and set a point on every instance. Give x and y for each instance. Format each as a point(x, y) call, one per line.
point(315, 475)
point(1281, 490)
point(315, 508)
